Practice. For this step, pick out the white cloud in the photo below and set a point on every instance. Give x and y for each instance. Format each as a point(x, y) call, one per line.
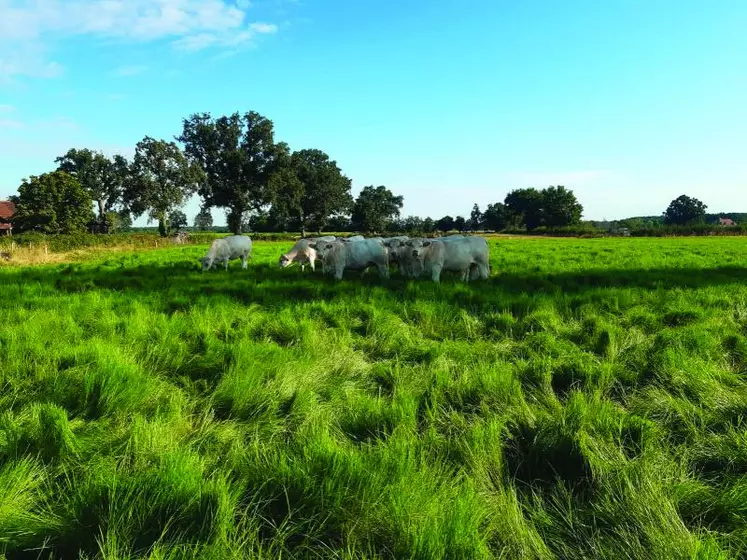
point(261, 27)
point(6, 108)
point(27, 26)
point(131, 70)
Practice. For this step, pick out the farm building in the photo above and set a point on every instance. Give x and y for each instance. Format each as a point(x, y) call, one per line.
point(7, 210)
point(726, 222)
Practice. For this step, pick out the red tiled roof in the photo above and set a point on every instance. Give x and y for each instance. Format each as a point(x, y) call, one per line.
point(7, 209)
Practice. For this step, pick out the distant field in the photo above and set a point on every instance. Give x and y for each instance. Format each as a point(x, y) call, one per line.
point(588, 401)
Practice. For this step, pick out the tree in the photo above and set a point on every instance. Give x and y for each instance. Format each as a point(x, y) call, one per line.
point(495, 217)
point(203, 220)
point(118, 221)
point(412, 224)
point(429, 226)
point(52, 203)
point(476, 219)
point(525, 207)
point(288, 194)
point(374, 207)
point(322, 190)
point(238, 156)
point(684, 210)
point(103, 178)
point(162, 180)
point(177, 220)
point(445, 224)
point(460, 224)
point(560, 207)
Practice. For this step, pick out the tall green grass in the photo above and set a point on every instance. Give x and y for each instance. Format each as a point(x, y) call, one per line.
point(588, 401)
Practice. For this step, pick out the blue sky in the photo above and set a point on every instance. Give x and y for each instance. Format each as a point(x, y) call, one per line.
point(630, 103)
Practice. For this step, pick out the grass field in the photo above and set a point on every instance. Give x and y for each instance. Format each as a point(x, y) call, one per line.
point(588, 401)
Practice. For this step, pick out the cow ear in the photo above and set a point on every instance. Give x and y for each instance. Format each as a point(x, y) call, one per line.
point(426, 243)
point(329, 245)
point(312, 244)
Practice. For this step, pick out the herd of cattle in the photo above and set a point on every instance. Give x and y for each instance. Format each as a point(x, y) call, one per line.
point(466, 255)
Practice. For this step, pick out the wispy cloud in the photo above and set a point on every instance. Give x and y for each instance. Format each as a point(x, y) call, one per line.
point(131, 70)
point(11, 123)
point(26, 27)
point(6, 108)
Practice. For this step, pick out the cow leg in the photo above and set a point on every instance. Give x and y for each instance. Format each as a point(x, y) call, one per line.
point(436, 273)
point(339, 271)
point(383, 270)
point(303, 267)
point(225, 262)
point(243, 262)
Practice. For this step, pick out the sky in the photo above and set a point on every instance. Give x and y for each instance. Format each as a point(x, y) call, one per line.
point(629, 103)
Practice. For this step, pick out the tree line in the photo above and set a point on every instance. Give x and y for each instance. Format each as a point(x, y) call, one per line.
point(234, 163)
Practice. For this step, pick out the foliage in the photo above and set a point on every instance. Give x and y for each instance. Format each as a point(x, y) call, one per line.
point(203, 220)
point(53, 202)
point(238, 156)
point(103, 178)
point(460, 224)
point(445, 224)
point(476, 219)
point(684, 210)
point(374, 207)
point(315, 189)
point(560, 207)
point(177, 220)
point(162, 180)
point(552, 207)
point(585, 402)
point(495, 217)
point(525, 207)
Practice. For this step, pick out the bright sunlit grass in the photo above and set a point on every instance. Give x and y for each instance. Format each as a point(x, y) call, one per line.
point(588, 401)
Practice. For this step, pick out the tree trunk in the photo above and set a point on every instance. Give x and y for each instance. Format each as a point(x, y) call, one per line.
point(234, 220)
point(163, 227)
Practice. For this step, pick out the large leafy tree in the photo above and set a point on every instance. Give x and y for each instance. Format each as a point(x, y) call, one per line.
point(238, 156)
point(374, 207)
point(162, 180)
point(460, 224)
point(177, 220)
point(322, 190)
point(53, 203)
point(685, 210)
point(103, 178)
point(203, 220)
point(445, 224)
point(525, 206)
point(495, 217)
point(476, 218)
point(560, 207)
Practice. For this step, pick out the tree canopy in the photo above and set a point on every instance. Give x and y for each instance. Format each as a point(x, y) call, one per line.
point(203, 219)
point(685, 210)
point(103, 178)
point(162, 180)
point(238, 156)
point(53, 202)
point(374, 207)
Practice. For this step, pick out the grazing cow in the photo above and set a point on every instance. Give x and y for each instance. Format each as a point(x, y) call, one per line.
point(303, 252)
point(355, 255)
point(469, 256)
point(226, 249)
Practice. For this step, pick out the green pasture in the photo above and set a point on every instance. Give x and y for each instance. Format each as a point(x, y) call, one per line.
point(588, 401)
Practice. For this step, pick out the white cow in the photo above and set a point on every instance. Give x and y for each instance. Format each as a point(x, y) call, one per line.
point(303, 252)
point(351, 239)
point(226, 249)
point(355, 255)
point(469, 256)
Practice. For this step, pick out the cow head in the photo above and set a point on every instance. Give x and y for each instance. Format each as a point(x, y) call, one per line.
point(284, 261)
point(205, 262)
